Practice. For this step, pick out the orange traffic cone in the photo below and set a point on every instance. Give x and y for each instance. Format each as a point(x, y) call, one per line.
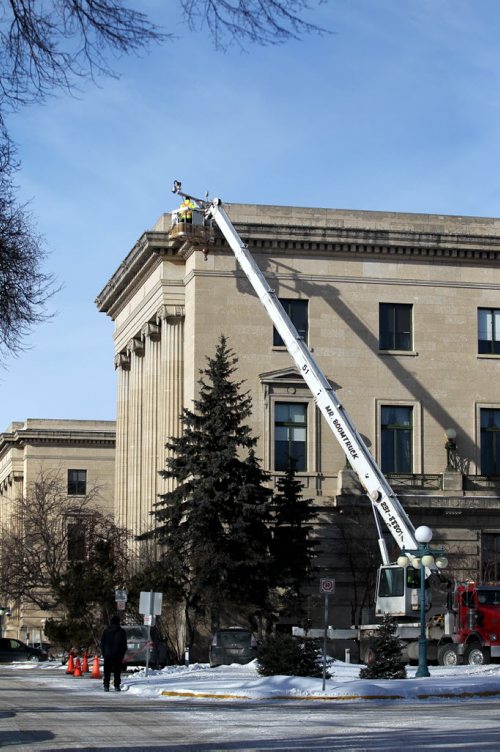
point(78, 668)
point(85, 664)
point(96, 674)
point(71, 665)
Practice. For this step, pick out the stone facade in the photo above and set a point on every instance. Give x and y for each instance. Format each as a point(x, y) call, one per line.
point(170, 303)
point(30, 447)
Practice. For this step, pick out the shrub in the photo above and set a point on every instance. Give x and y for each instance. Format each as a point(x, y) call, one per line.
point(387, 663)
point(289, 656)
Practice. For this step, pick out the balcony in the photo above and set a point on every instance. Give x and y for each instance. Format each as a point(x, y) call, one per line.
point(414, 481)
point(483, 483)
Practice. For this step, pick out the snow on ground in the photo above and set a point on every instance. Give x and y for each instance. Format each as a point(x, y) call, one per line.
point(243, 683)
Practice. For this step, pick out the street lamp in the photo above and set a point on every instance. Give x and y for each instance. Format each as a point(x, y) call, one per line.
point(451, 447)
point(423, 557)
point(4, 611)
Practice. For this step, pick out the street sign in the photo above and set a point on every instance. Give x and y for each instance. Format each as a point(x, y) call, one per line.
point(150, 603)
point(150, 606)
point(120, 595)
point(121, 605)
point(327, 586)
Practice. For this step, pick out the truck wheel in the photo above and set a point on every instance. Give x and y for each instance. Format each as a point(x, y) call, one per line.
point(475, 655)
point(447, 655)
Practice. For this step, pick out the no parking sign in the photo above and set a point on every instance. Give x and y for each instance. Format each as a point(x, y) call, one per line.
point(327, 586)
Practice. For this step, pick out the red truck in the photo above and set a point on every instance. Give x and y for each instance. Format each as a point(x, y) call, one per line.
point(471, 629)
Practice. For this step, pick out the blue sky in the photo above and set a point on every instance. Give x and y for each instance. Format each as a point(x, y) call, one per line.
point(398, 109)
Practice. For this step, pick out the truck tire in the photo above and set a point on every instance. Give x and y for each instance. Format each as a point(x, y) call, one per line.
point(476, 655)
point(447, 655)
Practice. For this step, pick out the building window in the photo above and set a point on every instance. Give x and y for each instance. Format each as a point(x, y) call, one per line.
point(77, 482)
point(297, 312)
point(290, 435)
point(395, 326)
point(490, 557)
point(76, 542)
point(397, 438)
point(488, 331)
point(490, 441)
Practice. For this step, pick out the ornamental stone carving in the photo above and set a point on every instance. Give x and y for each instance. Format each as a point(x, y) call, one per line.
point(122, 360)
point(137, 346)
point(152, 331)
point(172, 314)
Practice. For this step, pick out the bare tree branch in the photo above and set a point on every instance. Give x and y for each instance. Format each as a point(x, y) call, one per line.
point(46, 46)
point(24, 288)
point(255, 21)
point(35, 542)
point(49, 45)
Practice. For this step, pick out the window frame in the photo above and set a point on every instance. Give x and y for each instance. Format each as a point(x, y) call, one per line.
point(486, 575)
point(287, 303)
point(493, 342)
point(480, 463)
point(76, 543)
point(395, 332)
point(76, 483)
point(416, 444)
point(290, 425)
point(401, 435)
point(286, 385)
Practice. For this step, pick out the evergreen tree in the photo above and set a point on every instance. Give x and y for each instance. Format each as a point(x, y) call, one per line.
point(387, 663)
point(284, 655)
point(213, 524)
point(292, 549)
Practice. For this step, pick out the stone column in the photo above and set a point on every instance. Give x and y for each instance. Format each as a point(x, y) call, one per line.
point(122, 364)
point(171, 394)
point(135, 433)
point(150, 400)
point(151, 333)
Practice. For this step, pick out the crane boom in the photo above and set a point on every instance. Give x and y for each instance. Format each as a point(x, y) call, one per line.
point(385, 503)
point(383, 498)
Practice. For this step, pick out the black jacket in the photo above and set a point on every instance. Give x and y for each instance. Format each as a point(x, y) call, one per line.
point(114, 642)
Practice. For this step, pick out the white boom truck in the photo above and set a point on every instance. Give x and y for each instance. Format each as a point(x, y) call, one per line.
point(191, 223)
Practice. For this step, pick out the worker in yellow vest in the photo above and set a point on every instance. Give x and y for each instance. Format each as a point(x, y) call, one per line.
point(186, 210)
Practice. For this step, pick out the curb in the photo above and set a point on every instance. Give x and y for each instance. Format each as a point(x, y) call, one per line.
point(338, 698)
point(462, 695)
point(203, 695)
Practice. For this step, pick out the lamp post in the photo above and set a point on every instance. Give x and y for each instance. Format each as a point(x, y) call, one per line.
point(423, 557)
point(4, 611)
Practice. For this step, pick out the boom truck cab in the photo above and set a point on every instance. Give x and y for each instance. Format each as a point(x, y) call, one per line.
point(473, 623)
point(468, 629)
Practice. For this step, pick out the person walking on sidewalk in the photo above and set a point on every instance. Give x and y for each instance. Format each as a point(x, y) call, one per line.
point(113, 648)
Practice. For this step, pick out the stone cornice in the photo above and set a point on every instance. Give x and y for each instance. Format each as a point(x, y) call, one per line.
point(145, 255)
point(349, 241)
point(39, 437)
point(324, 232)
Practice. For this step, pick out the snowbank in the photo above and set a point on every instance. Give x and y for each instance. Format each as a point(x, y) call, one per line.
point(243, 683)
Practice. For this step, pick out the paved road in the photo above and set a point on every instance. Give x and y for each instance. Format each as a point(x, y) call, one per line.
point(35, 715)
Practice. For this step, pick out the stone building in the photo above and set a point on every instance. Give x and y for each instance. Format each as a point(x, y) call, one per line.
point(81, 452)
point(402, 312)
